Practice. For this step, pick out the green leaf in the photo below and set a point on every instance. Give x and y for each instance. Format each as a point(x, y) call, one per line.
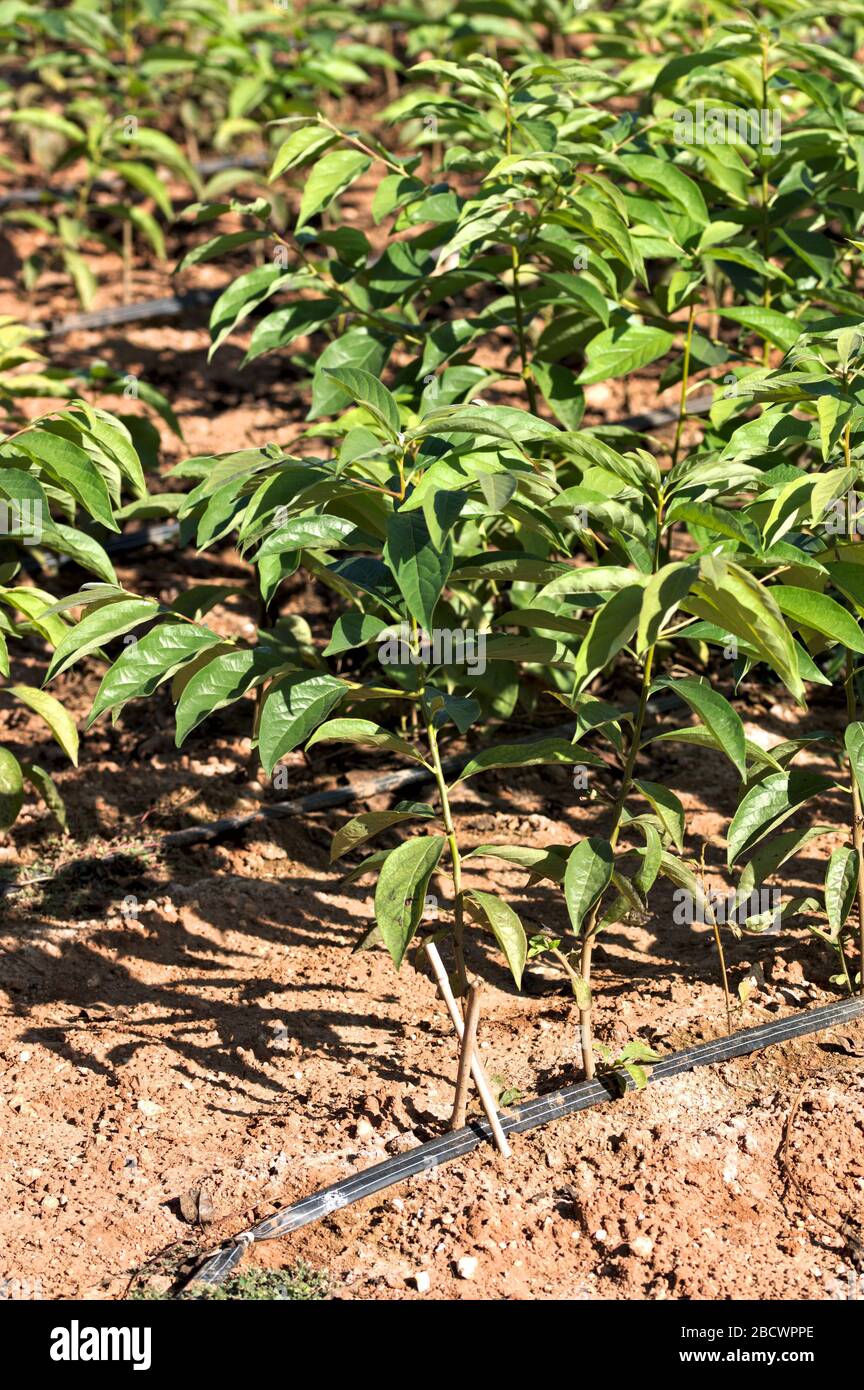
point(354, 630)
point(242, 296)
point(770, 855)
point(401, 891)
point(662, 595)
point(716, 714)
point(616, 351)
point(83, 278)
point(767, 805)
point(81, 548)
point(531, 753)
point(611, 628)
point(806, 608)
point(98, 627)
point(219, 683)
point(853, 738)
point(718, 521)
point(301, 145)
point(540, 863)
point(45, 786)
point(368, 391)
point(47, 120)
point(699, 737)
point(560, 391)
point(219, 246)
point(841, 883)
point(292, 709)
point(330, 176)
point(59, 721)
point(147, 181)
point(443, 707)
point(652, 858)
point(683, 877)
point(69, 465)
point(667, 807)
point(664, 178)
point(735, 600)
point(589, 872)
point(506, 928)
point(311, 532)
point(361, 828)
point(280, 329)
point(11, 788)
point(363, 731)
point(145, 664)
point(419, 569)
point(357, 348)
point(769, 324)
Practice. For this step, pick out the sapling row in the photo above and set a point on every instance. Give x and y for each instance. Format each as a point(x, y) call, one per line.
point(548, 225)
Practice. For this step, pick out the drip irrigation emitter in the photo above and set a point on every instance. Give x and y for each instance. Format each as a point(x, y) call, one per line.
point(217, 1267)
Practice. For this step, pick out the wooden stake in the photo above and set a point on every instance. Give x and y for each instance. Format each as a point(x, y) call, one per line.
point(463, 1076)
point(481, 1080)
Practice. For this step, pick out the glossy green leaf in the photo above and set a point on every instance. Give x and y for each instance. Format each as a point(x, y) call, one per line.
point(588, 875)
point(332, 174)
point(716, 714)
point(364, 731)
point(841, 883)
point(11, 788)
point(96, 628)
point(401, 890)
point(58, 719)
point(292, 709)
point(767, 805)
point(531, 753)
point(145, 664)
point(419, 569)
point(359, 829)
point(506, 928)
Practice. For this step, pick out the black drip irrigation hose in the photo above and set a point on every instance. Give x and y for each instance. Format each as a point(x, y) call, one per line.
point(171, 307)
point(533, 1113)
point(315, 801)
point(201, 834)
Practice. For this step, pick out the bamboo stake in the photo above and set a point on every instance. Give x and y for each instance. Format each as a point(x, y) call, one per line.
point(463, 1076)
point(481, 1080)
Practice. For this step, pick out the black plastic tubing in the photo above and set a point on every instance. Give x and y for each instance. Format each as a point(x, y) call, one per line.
point(530, 1115)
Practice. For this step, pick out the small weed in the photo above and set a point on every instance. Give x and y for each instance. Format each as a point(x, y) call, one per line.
point(298, 1284)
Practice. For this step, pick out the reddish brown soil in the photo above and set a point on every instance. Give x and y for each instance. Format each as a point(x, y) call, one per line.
point(200, 1018)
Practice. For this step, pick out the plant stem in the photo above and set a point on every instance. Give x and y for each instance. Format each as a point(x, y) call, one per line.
point(844, 965)
point(764, 230)
point(517, 289)
point(685, 378)
point(469, 1040)
point(723, 975)
point(361, 145)
point(521, 334)
point(857, 818)
point(586, 1031)
point(455, 862)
